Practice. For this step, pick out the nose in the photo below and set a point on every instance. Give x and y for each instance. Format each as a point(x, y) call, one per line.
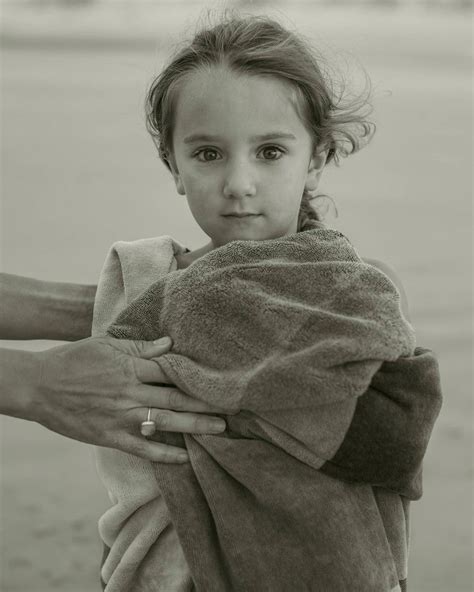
point(239, 181)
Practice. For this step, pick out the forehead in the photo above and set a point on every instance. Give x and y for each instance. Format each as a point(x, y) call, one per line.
point(219, 101)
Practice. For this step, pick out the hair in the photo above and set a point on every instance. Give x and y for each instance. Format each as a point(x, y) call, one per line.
point(260, 46)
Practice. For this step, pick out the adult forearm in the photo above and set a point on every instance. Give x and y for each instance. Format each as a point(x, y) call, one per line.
point(37, 309)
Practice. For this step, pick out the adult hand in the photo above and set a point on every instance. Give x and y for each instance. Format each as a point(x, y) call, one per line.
point(98, 391)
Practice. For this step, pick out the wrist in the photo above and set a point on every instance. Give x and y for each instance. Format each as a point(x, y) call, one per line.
point(70, 308)
point(20, 377)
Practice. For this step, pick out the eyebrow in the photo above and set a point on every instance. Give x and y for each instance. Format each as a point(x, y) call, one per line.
point(261, 138)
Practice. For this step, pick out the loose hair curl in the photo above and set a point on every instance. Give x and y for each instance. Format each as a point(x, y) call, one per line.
point(260, 46)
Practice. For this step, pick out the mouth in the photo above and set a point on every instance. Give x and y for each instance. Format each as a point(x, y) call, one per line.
point(241, 215)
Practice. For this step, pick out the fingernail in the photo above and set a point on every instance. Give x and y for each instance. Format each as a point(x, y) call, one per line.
point(218, 426)
point(183, 457)
point(162, 341)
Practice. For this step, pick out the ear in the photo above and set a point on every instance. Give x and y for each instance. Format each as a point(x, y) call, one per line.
point(315, 169)
point(176, 176)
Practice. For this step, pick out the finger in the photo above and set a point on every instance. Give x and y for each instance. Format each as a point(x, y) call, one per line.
point(148, 371)
point(166, 397)
point(154, 349)
point(154, 451)
point(188, 423)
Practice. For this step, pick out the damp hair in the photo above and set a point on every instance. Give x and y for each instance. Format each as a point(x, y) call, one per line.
point(260, 46)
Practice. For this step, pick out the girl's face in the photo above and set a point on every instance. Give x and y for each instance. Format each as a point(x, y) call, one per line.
point(241, 155)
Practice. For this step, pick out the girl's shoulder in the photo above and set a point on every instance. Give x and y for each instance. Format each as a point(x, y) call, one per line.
point(395, 279)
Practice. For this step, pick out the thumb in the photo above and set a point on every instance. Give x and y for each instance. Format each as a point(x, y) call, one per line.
point(153, 349)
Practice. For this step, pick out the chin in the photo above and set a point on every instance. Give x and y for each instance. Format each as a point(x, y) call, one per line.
point(249, 234)
point(243, 237)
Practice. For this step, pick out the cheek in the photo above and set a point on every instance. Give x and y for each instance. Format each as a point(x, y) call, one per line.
point(198, 183)
point(287, 195)
point(290, 185)
point(293, 172)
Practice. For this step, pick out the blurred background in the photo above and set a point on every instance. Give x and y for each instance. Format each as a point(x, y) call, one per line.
point(79, 172)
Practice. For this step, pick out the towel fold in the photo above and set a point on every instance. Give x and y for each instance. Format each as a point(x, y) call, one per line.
point(143, 552)
point(284, 335)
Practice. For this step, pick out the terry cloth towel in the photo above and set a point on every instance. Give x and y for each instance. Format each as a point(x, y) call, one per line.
point(384, 445)
point(285, 335)
point(137, 526)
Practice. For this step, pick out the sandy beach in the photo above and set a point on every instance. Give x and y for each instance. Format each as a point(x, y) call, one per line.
point(79, 172)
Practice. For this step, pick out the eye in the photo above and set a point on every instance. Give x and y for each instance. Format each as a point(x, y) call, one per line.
point(271, 152)
point(206, 155)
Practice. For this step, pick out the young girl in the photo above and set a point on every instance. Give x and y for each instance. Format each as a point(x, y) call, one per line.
point(246, 123)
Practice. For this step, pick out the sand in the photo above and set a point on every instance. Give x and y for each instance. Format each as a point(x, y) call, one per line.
point(79, 172)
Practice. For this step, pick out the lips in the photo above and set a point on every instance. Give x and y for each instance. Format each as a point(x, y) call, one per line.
point(240, 215)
